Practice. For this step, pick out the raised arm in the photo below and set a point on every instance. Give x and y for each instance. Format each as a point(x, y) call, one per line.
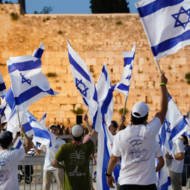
point(164, 98)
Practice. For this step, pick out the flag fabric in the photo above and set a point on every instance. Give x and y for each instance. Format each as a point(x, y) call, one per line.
point(83, 81)
point(166, 23)
point(2, 86)
point(41, 133)
point(43, 120)
point(103, 120)
point(187, 132)
point(18, 143)
point(38, 52)
point(174, 125)
point(103, 86)
point(28, 83)
point(164, 182)
point(124, 84)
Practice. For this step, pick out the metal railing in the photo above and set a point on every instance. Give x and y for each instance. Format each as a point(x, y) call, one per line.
point(31, 174)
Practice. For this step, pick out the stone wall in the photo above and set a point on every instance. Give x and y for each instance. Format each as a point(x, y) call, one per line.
point(98, 39)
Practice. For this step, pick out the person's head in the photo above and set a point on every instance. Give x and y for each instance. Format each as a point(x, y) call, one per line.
point(113, 127)
point(139, 114)
point(6, 139)
point(55, 129)
point(77, 132)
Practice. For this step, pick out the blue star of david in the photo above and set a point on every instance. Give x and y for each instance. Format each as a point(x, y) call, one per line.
point(128, 77)
point(182, 18)
point(81, 87)
point(24, 79)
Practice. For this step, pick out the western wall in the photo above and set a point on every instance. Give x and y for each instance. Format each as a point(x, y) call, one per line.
point(99, 39)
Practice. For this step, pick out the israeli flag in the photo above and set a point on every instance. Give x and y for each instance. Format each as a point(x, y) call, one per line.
point(2, 86)
point(124, 84)
point(28, 82)
point(41, 133)
point(83, 80)
point(166, 23)
point(102, 86)
point(174, 125)
point(104, 116)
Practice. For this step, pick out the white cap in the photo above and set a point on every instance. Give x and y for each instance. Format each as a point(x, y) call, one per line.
point(77, 131)
point(140, 109)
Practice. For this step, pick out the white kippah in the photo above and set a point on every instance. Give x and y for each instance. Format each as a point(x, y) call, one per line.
point(77, 131)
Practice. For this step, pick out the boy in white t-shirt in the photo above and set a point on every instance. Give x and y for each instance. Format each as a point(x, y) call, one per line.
point(9, 160)
point(136, 147)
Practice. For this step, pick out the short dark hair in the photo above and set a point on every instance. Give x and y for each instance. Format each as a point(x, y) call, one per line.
point(6, 139)
point(78, 139)
point(114, 124)
point(138, 121)
point(55, 127)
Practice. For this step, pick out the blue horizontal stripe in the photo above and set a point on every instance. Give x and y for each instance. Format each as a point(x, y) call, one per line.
point(39, 53)
point(163, 133)
point(79, 68)
point(123, 87)
point(2, 86)
point(28, 94)
point(27, 127)
point(156, 6)
point(24, 66)
point(128, 60)
point(19, 144)
point(95, 96)
point(9, 97)
point(166, 185)
point(178, 128)
point(170, 43)
point(105, 72)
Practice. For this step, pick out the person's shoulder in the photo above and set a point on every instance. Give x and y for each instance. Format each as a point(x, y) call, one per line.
point(155, 121)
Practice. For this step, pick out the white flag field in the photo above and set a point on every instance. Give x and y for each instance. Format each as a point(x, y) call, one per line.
point(166, 23)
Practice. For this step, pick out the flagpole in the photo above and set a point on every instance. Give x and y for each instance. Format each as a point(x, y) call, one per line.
point(18, 118)
point(158, 65)
point(123, 114)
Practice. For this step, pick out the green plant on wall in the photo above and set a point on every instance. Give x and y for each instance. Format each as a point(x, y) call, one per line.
point(14, 16)
point(78, 111)
point(123, 111)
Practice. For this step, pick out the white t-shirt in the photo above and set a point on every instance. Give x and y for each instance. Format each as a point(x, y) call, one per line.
point(136, 147)
point(51, 151)
point(9, 160)
point(158, 151)
point(177, 165)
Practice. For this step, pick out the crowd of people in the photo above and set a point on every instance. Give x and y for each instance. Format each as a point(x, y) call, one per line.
point(134, 147)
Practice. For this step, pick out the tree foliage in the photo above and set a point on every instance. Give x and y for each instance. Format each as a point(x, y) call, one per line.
point(109, 6)
point(22, 6)
point(45, 10)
